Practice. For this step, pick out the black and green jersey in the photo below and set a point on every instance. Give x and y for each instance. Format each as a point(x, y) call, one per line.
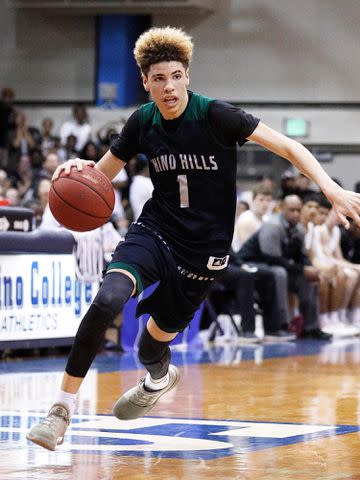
point(192, 162)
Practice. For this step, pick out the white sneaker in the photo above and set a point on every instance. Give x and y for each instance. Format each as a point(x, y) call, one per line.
point(50, 432)
point(137, 401)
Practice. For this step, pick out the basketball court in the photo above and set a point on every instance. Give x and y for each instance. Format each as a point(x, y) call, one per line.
point(285, 411)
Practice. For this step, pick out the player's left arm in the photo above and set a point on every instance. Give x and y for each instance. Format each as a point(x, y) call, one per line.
point(345, 203)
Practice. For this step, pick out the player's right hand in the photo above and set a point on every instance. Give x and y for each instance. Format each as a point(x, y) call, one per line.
point(66, 167)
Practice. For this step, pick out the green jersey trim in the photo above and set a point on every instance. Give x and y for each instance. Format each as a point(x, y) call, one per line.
point(130, 269)
point(196, 110)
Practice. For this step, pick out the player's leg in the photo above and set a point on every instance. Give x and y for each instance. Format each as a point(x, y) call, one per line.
point(155, 355)
point(113, 293)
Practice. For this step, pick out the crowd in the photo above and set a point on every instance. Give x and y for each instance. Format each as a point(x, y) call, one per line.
point(291, 257)
point(291, 261)
point(30, 155)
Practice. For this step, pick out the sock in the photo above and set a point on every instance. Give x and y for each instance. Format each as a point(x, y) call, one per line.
point(68, 399)
point(343, 316)
point(324, 320)
point(153, 385)
point(355, 315)
point(334, 317)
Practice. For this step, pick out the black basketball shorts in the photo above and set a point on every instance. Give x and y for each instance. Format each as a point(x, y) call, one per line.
point(148, 258)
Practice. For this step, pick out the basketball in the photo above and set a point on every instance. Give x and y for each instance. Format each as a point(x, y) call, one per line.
point(83, 200)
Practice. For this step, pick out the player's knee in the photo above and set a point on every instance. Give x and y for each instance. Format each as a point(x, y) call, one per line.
point(113, 293)
point(154, 355)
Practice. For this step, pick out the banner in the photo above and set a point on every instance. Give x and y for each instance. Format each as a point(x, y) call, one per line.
point(40, 296)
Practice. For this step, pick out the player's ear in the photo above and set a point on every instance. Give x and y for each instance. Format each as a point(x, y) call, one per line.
point(145, 82)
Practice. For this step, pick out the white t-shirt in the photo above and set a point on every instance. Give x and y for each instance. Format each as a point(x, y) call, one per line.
point(140, 191)
point(81, 132)
point(246, 218)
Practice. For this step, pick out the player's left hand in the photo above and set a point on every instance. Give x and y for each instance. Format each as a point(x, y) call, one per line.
point(346, 204)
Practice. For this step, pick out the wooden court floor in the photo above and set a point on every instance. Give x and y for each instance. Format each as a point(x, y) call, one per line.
point(289, 411)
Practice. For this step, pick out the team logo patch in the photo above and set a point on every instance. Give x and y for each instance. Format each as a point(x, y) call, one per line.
point(218, 263)
point(168, 437)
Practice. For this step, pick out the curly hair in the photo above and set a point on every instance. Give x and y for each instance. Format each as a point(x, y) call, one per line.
point(164, 44)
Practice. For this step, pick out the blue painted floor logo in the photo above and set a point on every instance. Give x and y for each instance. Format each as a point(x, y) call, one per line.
point(168, 437)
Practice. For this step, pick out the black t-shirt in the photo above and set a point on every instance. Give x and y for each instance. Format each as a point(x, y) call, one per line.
point(192, 162)
point(229, 124)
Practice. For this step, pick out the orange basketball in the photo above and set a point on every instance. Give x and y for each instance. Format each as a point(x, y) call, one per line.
point(82, 201)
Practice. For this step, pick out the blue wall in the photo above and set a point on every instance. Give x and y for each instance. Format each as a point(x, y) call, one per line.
point(115, 62)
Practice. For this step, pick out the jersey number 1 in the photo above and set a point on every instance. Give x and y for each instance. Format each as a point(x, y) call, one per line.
point(184, 191)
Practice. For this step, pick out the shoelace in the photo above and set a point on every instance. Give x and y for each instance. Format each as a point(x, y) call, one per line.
point(142, 397)
point(54, 422)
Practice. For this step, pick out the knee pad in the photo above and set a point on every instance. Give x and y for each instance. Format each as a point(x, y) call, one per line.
point(115, 290)
point(154, 355)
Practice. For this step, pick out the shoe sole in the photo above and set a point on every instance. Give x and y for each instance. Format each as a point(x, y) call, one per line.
point(43, 442)
point(118, 412)
point(249, 340)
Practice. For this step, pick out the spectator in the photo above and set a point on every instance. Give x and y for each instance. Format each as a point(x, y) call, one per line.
point(79, 127)
point(241, 207)
point(24, 175)
point(118, 216)
point(90, 152)
point(21, 141)
point(7, 121)
point(350, 243)
point(327, 249)
point(288, 183)
point(141, 186)
point(281, 242)
point(251, 220)
point(48, 141)
point(13, 197)
point(68, 151)
point(332, 279)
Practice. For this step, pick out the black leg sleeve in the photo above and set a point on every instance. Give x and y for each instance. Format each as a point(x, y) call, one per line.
point(113, 293)
point(154, 355)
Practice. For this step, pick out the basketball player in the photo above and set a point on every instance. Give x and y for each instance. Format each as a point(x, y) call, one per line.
point(183, 235)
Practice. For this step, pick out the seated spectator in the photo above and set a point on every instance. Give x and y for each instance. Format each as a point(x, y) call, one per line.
point(78, 126)
point(350, 242)
point(250, 221)
point(241, 207)
point(331, 277)
point(4, 180)
point(68, 151)
point(90, 152)
point(281, 243)
point(141, 187)
point(328, 250)
point(45, 172)
point(12, 195)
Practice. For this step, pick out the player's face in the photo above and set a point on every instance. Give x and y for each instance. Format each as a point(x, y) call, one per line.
point(167, 84)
